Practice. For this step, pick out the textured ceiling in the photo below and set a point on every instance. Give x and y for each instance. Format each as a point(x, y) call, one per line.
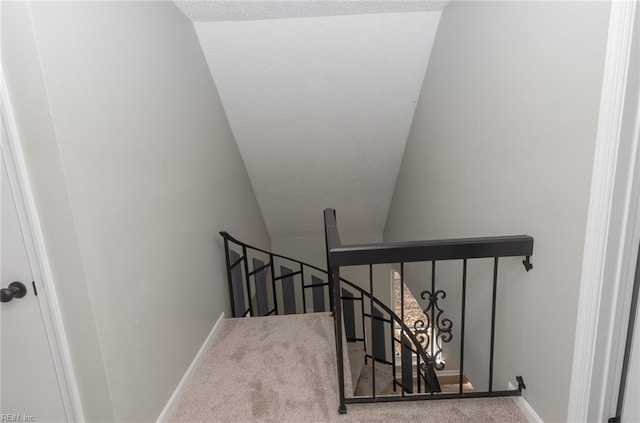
point(243, 10)
point(321, 109)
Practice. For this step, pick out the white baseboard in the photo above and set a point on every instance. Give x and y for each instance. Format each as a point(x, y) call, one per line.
point(525, 407)
point(177, 394)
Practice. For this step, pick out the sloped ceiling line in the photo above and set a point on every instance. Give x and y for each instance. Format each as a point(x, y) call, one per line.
point(321, 108)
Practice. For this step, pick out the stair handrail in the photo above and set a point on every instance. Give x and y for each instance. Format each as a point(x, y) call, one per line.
point(228, 236)
point(428, 250)
point(419, 251)
point(426, 358)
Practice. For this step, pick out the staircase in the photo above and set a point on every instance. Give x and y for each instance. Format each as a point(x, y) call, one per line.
point(380, 357)
point(362, 376)
point(282, 369)
point(362, 371)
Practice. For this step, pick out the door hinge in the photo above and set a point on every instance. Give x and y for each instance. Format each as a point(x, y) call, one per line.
point(35, 290)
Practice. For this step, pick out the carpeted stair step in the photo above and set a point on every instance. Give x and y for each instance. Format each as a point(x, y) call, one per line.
point(283, 369)
point(349, 384)
point(451, 383)
point(356, 361)
point(384, 380)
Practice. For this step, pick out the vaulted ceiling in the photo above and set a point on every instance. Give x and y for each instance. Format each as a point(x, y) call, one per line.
point(320, 97)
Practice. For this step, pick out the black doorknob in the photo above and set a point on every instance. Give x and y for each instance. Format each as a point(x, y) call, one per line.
point(15, 290)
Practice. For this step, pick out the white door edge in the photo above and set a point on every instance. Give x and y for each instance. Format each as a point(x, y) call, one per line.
point(614, 184)
point(37, 254)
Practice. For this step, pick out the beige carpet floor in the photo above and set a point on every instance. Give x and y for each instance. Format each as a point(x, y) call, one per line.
point(282, 369)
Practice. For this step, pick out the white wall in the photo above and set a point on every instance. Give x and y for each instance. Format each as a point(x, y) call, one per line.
point(135, 170)
point(21, 65)
point(311, 249)
point(502, 143)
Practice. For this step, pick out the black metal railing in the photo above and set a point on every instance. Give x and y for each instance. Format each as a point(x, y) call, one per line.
point(262, 283)
point(425, 380)
point(431, 330)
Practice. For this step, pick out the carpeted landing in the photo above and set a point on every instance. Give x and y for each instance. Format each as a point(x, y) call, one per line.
point(283, 369)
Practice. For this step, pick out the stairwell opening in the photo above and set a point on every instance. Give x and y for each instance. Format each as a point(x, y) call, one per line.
point(403, 297)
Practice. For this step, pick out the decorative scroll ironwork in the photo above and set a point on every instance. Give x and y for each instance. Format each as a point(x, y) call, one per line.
point(434, 329)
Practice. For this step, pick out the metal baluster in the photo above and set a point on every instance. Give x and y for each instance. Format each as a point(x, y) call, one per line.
point(273, 284)
point(393, 355)
point(373, 358)
point(407, 366)
point(493, 321)
point(402, 320)
point(226, 255)
point(248, 279)
point(304, 293)
point(364, 334)
point(331, 289)
point(464, 305)
point(330, 280)
point(433, 315)
point(418, 370)
point(334, 278)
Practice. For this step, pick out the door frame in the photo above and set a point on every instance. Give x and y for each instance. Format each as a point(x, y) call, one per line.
point(14, 161)
point(612, 232)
